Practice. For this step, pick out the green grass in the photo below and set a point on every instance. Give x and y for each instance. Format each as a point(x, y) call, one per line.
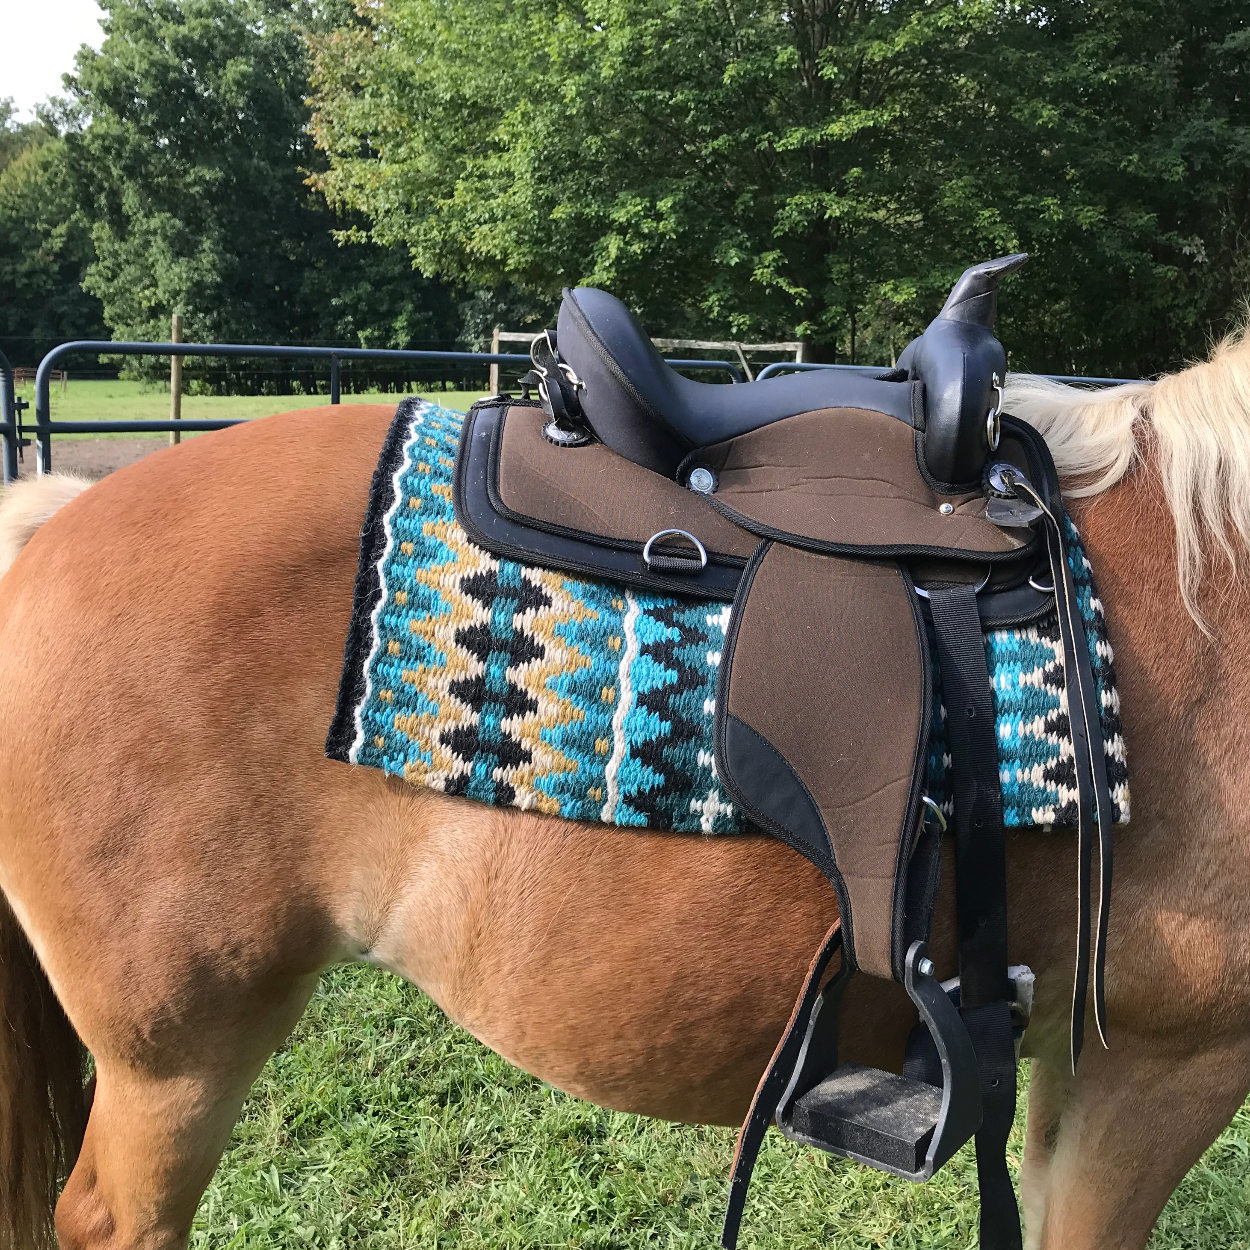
point(380, 1124)
point(140, 401)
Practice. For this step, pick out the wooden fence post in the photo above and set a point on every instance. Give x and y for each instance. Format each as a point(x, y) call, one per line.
point(175, 379)
point(494, 369)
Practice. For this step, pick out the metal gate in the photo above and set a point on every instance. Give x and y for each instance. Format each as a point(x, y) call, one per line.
point(14, 431)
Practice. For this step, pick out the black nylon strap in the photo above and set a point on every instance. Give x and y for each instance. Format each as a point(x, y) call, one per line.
point(981, 898)
point(980, 856)
point(989, 1027)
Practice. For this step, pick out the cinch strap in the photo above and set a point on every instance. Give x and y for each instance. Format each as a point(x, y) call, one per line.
point(981, 899)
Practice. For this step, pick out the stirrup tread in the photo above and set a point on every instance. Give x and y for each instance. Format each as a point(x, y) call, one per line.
point(869, 1115)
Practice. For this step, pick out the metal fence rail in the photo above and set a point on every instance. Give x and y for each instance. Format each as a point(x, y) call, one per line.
point(11, 428)
point(795, 366)
point(45, 427)
point(8, 418)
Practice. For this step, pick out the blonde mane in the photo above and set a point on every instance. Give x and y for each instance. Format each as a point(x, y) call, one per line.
point(1196, 426)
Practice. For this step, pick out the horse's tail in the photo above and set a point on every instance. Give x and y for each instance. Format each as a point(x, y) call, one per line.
point(43, 1107)
point(25, 506)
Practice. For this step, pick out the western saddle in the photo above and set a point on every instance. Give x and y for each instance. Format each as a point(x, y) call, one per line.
point(855, 519)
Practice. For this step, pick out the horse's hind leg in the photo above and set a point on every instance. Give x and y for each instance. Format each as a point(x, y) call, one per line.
point(1107, 1148)
point(1050, 1088)
point(154, 1137)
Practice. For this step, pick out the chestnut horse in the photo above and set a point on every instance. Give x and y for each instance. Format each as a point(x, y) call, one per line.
point(180, 861)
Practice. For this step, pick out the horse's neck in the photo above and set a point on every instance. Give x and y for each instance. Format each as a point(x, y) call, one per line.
point(1170, 672)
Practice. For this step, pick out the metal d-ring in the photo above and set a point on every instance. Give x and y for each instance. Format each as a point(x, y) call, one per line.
point(993, 420)
point(936, 810)
point(1042, 590)
point(981, 585)
point(646, 551)
point(544, 337)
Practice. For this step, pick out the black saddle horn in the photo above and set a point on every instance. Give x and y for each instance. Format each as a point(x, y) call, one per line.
point(974, 298)
point(962, 367)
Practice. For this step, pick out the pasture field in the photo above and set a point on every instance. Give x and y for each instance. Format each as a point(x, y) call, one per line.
point(127, 401)
point(382, 1125)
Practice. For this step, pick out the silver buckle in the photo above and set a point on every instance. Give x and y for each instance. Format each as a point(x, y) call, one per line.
point(993, 420)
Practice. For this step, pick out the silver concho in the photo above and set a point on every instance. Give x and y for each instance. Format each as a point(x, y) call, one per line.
point(561, 437)
point(702, 481)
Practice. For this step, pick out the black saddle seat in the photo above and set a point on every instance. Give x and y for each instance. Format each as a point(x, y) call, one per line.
point(644, 410)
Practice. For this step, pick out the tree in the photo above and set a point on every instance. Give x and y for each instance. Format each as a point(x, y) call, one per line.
point(45, 247)
point(193, 164)
point(825, 167)
point(15, 136)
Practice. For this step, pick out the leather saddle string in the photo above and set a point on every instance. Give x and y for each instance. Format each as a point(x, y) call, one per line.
point(561, 402)
point(1091, 776)
point(772, 1086)
point(1087, 690)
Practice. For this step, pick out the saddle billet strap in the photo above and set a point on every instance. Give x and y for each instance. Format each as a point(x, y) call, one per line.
point(989, 1028)
point(768, 1093)
point(980, 857)
point(1091, 773)
point(981, 898)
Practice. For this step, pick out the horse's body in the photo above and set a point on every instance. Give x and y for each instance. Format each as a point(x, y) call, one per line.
point(185, 862)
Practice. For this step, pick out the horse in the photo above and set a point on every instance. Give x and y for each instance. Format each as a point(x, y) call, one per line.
point(179, 861)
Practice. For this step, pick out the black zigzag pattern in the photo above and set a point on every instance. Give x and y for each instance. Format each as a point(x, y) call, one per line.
point(664, 755)
point(484, 744)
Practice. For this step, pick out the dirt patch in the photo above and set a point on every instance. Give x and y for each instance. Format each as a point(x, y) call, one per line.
point(92, 457)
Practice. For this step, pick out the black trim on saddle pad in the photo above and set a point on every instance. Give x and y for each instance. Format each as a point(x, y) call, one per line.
point(368, 589)
point(508, 539)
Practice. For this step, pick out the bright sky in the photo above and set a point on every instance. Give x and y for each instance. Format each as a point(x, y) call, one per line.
point(38, 39)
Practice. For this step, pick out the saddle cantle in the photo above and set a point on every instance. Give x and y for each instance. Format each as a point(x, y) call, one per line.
point(856, 520)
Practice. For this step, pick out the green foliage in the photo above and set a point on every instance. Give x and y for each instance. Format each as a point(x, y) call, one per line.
point(45, 246)
point(16, 137)
point(193, 170)
point(750, 168)
point(821, 168)
point(383, 1126)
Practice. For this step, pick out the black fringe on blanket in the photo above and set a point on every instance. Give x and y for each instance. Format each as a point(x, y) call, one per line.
point(368, 584)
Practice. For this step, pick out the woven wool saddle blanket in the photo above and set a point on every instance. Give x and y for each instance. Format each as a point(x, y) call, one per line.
point(519, 686)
